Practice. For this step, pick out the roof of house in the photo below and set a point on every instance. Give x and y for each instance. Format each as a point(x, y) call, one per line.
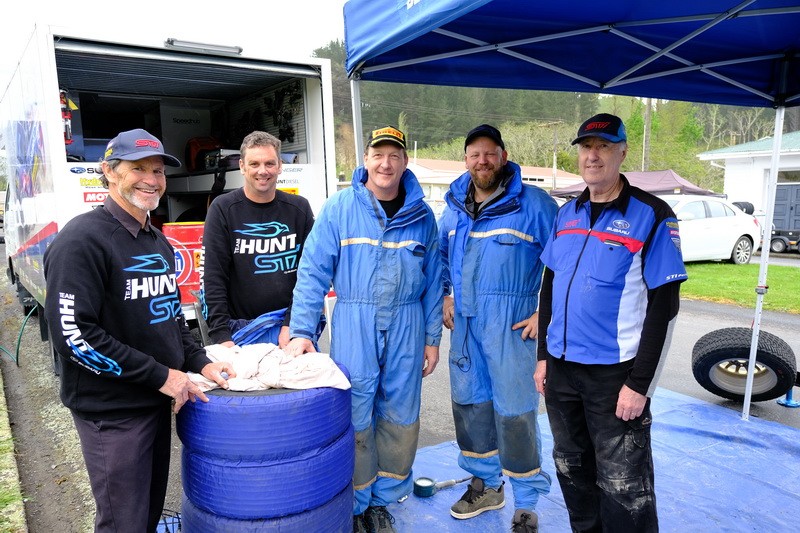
point(790, 142)
point(439, 171)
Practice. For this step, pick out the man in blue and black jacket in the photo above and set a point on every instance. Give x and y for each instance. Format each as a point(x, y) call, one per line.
point(609, 301)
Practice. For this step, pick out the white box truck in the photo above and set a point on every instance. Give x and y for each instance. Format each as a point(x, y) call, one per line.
point(72, 92)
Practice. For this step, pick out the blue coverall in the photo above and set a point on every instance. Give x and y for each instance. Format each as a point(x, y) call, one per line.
point(387, 278)
point(492, 263)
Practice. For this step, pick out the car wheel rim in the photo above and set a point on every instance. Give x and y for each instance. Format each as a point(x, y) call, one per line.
point(731, 375)
point(743, 251)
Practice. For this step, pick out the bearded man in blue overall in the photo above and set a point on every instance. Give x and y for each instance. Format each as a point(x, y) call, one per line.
point(491, 235)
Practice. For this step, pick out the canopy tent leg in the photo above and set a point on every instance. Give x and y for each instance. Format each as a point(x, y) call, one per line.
point(761, 288)
point(358, 127)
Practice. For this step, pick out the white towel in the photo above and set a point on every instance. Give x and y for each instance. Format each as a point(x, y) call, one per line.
point(265, 366)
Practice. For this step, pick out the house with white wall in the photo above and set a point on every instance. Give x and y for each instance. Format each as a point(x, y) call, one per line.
point(435, 177)
point(747, 169)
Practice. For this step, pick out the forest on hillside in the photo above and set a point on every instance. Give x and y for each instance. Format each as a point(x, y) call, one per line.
point(538, 126)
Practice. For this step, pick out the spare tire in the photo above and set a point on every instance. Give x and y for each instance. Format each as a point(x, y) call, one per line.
point(720, 360)
point(747, 207)
point(334, 516)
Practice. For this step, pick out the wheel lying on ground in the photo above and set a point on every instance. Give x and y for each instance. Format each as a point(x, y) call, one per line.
point(720, 359)
point(742, 251)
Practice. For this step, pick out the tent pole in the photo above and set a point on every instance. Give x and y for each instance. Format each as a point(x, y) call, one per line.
point(358, 134)
point(766, 234)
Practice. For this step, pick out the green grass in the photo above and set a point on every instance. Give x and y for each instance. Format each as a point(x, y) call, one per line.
point(735, 284)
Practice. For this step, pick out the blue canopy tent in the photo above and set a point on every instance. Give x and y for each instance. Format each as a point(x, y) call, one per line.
point(744, 53)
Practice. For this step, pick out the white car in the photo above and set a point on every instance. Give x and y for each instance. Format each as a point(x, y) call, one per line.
point(712, 228)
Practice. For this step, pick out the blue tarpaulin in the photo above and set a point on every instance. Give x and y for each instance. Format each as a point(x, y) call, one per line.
point(714, 472)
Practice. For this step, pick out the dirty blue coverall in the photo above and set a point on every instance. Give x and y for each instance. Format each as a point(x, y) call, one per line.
point(492, 263)
point(387, 278)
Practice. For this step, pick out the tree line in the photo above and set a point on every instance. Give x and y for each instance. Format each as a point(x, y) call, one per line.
point(538, 126)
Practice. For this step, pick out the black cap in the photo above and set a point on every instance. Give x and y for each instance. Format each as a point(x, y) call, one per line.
point(387, 134)
point(484, 130)
point(608, 127)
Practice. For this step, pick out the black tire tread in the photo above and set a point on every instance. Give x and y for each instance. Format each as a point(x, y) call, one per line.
point(728, 343)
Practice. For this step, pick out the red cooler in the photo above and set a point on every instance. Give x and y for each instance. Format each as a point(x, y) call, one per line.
point(187, 240)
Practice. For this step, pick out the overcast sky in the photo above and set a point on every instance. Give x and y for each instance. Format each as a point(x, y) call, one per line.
point(263, 28)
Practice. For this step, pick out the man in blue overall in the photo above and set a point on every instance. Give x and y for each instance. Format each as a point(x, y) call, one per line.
point(491, 235)
point(376, 243)
point(609, 300)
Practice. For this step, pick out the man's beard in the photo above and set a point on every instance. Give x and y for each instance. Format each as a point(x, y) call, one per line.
point(488, 184)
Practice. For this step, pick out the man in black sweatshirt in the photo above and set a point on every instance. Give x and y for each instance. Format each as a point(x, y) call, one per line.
point(252, 241)
point(115, 319)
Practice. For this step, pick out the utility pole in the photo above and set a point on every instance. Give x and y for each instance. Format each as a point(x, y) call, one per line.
point(646, 137)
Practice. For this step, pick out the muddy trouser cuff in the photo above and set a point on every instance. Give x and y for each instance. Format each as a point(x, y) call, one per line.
point(496, 445)
point(384, 455)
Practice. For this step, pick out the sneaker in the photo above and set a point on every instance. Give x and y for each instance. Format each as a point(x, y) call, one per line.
point(379, 520)
point(525, 522)
point(478, 499)
point(359, 524)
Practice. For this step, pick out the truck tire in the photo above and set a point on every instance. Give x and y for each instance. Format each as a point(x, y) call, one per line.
point(777, 245)
point(333, 516)
point(267, 425)
point(269, 489)
point(747, 207)
point(742, 251)
point(720, 359)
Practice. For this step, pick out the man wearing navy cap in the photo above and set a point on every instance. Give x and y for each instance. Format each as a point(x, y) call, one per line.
point(376, 243)
point(609, 300)
point(491, 235)
point(115, 319)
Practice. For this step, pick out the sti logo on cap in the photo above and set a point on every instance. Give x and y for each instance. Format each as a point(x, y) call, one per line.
point(597, 125)
point(146, 142)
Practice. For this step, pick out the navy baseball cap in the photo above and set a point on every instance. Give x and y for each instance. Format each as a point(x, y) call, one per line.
point(387, 134)
point(605, 126)
point(484, 130)
point(133, 145)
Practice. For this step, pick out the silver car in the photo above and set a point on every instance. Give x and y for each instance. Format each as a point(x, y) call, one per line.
point(712, 228)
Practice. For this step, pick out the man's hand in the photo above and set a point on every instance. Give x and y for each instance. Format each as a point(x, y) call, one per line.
point(540, 376)
point(299, 346)
point(181, 389)
point(530, 326)
point(431, 360)
point(213, 371)
point(630, 403)
point(283, 337)
point(228, 344)
point(448, 311)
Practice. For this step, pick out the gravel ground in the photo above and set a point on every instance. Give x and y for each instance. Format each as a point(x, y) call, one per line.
point(53, 478)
